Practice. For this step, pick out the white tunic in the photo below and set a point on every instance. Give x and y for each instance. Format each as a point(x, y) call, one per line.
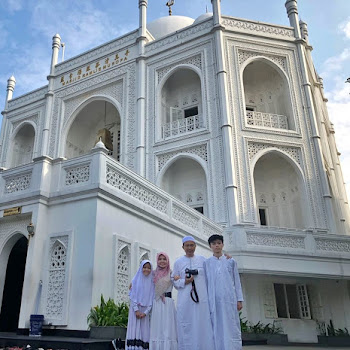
point(193, 319)
point(224, 290)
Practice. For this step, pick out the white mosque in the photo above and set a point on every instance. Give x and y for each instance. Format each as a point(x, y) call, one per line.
point(182, 126)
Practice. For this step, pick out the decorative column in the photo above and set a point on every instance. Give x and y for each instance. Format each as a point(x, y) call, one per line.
point(11, 83)
point(292, 11)
point(141, 90)
point(226, 126)
point(56, 44)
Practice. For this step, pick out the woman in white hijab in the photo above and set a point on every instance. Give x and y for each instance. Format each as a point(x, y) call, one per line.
point(141, 299)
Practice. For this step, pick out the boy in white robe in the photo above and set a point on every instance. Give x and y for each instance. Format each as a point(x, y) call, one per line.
point(193, 318)
point(225, 297)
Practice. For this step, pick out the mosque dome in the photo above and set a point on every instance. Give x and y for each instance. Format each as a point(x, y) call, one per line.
point(167, 25)
point(203, 17)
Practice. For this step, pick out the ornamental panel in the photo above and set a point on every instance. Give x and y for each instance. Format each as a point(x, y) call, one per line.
point(135, 189)
point(18, 183)
point(275, 241)
point(77, 175)
point(200, 151)
point(122, 272)
point(332, 245)
point(185, 217)
point(57, 290)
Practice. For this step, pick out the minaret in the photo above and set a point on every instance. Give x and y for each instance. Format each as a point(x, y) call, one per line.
point(141, 90)
point(292, 11)
point(226, 126)
point(11, 83)
point(56, 44)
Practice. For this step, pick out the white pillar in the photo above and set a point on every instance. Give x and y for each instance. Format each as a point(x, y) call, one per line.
point(141, 90)
point(292, 10)
point(226, 127)
point(56, 44)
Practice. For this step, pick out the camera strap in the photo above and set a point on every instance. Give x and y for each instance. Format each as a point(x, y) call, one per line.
point(194, 294)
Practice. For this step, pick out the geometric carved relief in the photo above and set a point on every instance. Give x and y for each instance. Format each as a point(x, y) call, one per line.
point(18, 183)
point(56, 296)
point(144, 254)
point(123, 272)
point(77, 175)
point(254, 148)
point(194, 61)
point(332, 245)
point(275, 240)
point(200, 151)
point(185, 217)
point(11, 224)
point(243, 55)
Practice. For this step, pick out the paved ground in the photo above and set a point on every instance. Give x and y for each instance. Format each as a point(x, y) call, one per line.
point(276, 347)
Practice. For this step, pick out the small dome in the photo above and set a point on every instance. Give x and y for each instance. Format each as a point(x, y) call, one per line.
point(168, 25)
point(203, 17)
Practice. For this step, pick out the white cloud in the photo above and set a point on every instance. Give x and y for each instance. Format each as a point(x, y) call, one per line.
point(345, 27)
point(14, 5)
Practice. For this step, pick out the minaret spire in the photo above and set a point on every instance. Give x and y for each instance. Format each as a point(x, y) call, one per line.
point(169, 4)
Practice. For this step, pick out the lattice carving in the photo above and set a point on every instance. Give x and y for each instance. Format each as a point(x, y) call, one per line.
point(138, 191)
point(258, 28)
point(293, 152)
point(18, 183)
point(194, 61)
point(209, 230)
point(29, 98)
point(77, 175)
point(9, 225)
point(123, 272)
point(56, 289)
point(114, 90)
point(185, 217)
point(34, 118)
point(144, 254)
point(200, 151)
point(275, 241)
point(333, 245)
point(243, 55)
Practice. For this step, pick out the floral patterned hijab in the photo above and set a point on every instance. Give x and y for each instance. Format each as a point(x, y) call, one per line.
point(161, 277)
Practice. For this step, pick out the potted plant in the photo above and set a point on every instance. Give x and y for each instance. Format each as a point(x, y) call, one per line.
point(108, 320)
point(334, 336)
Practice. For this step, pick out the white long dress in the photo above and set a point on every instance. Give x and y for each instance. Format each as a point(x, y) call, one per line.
point(224, 290)
point(137, 334)
point(163, 324)
point(194, 327)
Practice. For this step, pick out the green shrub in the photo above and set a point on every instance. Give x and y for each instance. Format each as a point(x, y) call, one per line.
point(258, 328)
point(108, 314)
point(334, 332)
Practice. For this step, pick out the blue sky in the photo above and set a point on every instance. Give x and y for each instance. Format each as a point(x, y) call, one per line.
point(27, 27)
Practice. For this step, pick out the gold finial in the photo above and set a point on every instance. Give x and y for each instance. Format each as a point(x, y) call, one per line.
point(169, 4)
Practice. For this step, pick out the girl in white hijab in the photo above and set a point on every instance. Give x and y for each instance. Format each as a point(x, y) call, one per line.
point(141, 299)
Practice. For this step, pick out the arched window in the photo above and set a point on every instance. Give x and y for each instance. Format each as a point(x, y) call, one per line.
point(23, 146)
point(181, 109)
point(123, 272)
point(97, 119)
point(278, 192)
point(267, 97)
point(185, 179)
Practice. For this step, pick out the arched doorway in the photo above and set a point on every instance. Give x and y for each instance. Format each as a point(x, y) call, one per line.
point(23, 146)
point(99, 118)
point(279, 192)
point(186, 180)
point(12, 294)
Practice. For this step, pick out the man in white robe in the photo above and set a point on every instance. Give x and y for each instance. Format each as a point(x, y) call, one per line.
point(225, 297)
point(193, 318)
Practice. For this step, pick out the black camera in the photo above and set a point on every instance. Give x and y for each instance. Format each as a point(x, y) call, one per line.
point(190, 272)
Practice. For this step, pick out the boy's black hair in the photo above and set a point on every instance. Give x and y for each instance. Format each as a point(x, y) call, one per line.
point(215, 237)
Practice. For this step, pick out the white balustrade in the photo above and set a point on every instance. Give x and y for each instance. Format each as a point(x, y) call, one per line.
point(182, 126)
point(267, 120)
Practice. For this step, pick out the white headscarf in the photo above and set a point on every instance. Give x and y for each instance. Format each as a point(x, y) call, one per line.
point(142, 290)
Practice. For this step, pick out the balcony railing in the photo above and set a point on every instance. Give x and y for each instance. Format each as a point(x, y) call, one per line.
point(267, 120)
point(182, 126)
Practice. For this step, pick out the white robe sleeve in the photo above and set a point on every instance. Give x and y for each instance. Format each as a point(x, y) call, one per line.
point(180, 283)
point(237, 280)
